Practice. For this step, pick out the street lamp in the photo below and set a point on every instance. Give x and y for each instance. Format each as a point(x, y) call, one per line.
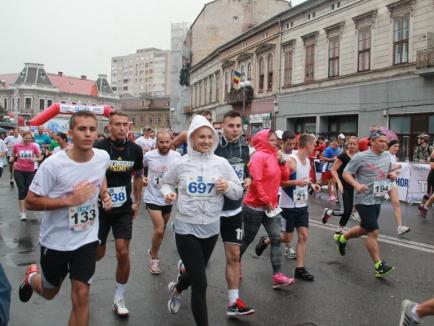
point(170, 117)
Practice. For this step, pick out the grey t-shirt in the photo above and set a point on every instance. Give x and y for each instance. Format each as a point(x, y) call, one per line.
point(371, 170)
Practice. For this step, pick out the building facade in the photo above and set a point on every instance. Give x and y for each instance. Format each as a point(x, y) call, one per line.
point(336, 66)
point(144, 72)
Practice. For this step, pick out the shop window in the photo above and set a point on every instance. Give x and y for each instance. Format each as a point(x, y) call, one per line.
point(342, 124)
point(400, 125)
point(305, 125)
point(431, 124)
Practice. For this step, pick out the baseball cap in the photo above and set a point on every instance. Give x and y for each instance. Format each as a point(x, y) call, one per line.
point(341, 135)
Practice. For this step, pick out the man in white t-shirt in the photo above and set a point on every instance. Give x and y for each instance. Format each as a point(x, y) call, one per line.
point(3, 153)
point(146, 142)
point(10, 142)
point(66, 186)
point(157, 163)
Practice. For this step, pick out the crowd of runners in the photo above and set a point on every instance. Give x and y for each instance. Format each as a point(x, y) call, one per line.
point(222, 183)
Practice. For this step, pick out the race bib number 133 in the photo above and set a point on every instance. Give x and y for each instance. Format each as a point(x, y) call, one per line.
point(82, 217)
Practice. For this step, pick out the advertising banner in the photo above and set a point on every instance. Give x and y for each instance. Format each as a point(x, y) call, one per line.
point(417, 185)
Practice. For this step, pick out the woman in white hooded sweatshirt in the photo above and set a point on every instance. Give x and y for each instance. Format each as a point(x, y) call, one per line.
point(202, 179)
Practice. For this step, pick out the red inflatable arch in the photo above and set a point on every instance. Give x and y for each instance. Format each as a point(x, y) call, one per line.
point(57, 108)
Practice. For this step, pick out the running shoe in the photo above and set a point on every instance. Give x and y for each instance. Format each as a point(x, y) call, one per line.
point(174, 301)
point(402, 229)
point(339, 230)
point(290, 253)
point(23, 217)
point(302, 274)
point(383, 270)
point(407, 318)
point(325, 216)
point(339, 244)
point(260, 247)
point(422, 211)
point(119, 307)
point(153, 264)
point(25, 290)
point(11, 183)
point(280, 280)
point(355, 216)
point(239, 308)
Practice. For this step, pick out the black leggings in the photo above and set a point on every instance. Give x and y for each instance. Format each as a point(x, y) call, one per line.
point(23, 180)
point(346, 206)
point(195, 254)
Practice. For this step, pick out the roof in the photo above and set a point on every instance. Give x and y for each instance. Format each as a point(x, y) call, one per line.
point(74, 85)
point(9, 79)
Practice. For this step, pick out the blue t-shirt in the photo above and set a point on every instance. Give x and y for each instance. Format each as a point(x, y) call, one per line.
point(43, 139)
point(330, 152)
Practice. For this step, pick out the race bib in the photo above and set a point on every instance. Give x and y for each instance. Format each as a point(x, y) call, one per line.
point(26, 155)
point(239, 171)
point(118, 195)
point(300, 196)
point(201, 186)
point(82, 217)
point(381, 188)
point(157, 178)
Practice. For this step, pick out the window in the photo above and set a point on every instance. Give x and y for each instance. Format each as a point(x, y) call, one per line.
point(217, 87)
point(5, 104)
point(310, 63)
point(261, 74)
point(205, 93)
point(49, 103)
point(287, 72)
point(210, 90)
point(226, 82)
point(334, 56)
point(28, 104)
point(400, 39)
point(41, 104)
point(270, 72)
point(305, 125)
point(364, 59)
point(249, 71)
point(400, 124)
point(242, 71)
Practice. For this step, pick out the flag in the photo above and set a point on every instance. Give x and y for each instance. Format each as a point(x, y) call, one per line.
point(236, 77)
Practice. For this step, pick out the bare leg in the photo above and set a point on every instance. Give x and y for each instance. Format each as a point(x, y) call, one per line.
point(80, 304)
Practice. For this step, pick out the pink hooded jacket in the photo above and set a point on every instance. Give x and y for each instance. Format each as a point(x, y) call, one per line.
point(265, 172)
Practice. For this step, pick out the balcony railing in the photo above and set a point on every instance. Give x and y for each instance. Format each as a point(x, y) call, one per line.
point(238, 96)
point(425, 60)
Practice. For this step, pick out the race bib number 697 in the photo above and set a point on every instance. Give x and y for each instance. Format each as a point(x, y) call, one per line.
point(201, 187)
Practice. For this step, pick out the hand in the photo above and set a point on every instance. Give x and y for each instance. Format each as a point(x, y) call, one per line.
point(247, 183)
point(360, 187)
point(106, 201)
point(268, 207)
point(135, 207)
point(392, 176)
point(145, 181)
point(302, 182)
point(170, 197)
point(81, 194)
point(221, 185)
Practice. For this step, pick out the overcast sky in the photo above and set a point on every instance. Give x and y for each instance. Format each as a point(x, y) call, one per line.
point(79, 37)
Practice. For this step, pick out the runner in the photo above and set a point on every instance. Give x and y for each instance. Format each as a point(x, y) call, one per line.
point(181, 139)
point(146, 142)
point(202, 179)
point(157, 162)
point(329, 157)
point(3, 155)
point(428, 198)
point(261, 202)
point(345, 191)
point(236, 151)
point(368, 174)
point(412, 312)
point(66, 186)
point(25, 155)
point(125, 162)
point(10, 142)
point(393, 192)
point(62, 139)
point(43, 140)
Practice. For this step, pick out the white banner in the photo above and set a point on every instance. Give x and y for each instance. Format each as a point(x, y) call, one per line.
point(417, 186)
point(403, 180)
point(71, 109)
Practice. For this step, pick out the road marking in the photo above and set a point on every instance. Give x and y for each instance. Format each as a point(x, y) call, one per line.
point(420, 246)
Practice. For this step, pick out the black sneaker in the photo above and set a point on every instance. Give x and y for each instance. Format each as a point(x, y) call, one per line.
point(302, 274)
point(383, 270)
point(11, 183)
point(239, 308)
point(260, 247)
point(25, 290)
point(341, 246)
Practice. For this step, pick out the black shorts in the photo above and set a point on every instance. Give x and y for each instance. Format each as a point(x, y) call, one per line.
point(231, 229)
point(295, 218)
point(79, 263)
point(164, 209)
point(369, 216)
point(121, 225)
point(1, 171)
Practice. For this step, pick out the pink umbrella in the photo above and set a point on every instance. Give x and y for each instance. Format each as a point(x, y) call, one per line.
point(389, 133)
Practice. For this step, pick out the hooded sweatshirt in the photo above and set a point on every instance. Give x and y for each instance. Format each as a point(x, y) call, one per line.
point(195, 175)
point(266, 173)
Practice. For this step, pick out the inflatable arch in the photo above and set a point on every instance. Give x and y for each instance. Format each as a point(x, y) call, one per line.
point(58, 108)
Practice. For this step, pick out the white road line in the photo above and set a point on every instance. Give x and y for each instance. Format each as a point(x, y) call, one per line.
point(420, 246)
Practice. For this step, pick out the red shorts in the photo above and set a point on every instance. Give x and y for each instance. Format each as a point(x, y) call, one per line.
point(326, 176)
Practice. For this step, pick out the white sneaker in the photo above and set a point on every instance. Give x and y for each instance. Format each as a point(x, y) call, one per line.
point(23, 217)
point(402, 229)
point(119, 307)
point(153, 265)
point(174, 301)
point(355, 216)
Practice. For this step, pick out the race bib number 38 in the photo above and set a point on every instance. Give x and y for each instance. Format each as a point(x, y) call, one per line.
point(118, 195)
point(201, 187)
point(82, 217)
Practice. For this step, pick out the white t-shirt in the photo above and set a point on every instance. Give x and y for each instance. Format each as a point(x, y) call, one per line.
point(157, 166)
point(56, 178)
point(11, 141)
point(146, 144)
point(3, 149)
point(57, 150)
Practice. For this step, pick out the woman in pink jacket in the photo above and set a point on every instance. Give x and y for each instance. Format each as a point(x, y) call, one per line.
point(262, 199)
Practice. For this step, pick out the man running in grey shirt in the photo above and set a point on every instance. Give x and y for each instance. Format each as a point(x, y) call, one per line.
point(369, 173)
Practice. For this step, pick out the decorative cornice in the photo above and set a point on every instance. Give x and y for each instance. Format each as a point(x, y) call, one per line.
point(227, 63)
point(335, 27)
point(400, 3)
point(264, 47)
point(244, 56)
point(368, 15)
point(289, 43)
point(310, 35)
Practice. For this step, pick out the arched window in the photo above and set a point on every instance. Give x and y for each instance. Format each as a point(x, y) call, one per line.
point(226, 82)
point(261, 74)
point(242, 70)
point(249, 71)
point(270, 72)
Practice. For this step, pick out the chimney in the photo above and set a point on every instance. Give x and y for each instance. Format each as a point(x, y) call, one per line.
point(60, 73)
point(83, 77)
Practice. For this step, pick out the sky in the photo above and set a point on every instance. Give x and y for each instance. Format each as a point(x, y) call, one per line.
point(80, 37)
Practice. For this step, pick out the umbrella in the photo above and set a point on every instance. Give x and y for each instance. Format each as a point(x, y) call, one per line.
point(389, 133)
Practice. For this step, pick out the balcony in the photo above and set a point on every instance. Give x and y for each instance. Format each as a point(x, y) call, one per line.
point(425, 62)
point(188, 109)
point(238, 96)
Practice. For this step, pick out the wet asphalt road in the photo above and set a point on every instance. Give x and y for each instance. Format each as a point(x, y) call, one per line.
point(345, 290)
